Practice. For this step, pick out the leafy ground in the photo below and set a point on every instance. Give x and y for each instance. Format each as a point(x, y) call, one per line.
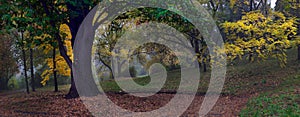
point(249, 87)
point(283, 101)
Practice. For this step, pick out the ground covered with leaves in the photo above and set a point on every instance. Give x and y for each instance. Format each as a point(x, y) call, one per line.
point(49, 103)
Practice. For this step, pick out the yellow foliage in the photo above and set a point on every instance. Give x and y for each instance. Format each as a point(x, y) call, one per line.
point(257, 36)
point(62, 67)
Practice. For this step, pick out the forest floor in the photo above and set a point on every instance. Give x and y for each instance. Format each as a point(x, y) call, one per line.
point(245, 83)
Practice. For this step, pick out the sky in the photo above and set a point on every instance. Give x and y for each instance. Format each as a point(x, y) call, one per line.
point(273, 3)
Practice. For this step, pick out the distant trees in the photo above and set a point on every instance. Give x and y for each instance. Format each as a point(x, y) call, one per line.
point(8, 62)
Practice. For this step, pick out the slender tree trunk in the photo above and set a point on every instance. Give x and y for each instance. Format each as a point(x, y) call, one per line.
point(251, 5)
point(204, 67)
point(299, 52)
point(32, 70)
point(7, 78)
point(54, 70)
point(24, 62)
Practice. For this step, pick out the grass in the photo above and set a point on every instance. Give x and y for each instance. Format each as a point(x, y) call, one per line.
point(246, 77)
point(171, 85)
point(283, 101)
point(242, 77)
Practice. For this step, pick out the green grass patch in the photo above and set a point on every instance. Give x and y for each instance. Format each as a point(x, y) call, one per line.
point(283, 101)
point(172, 83)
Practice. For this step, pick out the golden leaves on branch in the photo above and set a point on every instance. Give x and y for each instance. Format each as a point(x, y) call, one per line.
point(62, 67)
point(259, 37)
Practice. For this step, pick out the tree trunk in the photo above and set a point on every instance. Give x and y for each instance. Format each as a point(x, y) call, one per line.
point(54, 70)
point(32, 70)
point(251, 5)
point(74, 24)
point(73, 90)
point(204, 67)
point(24, 62)
point(197, 51)
point(299, 52)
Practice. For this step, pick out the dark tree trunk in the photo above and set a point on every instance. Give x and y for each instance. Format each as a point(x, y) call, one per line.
point(266, 12)
point(299, 52)
point(24, 62)
point(32, 70)
point(54, 70)
point(110, 69)
point(251, 5)
point(73, 93)
point(74, 24)
point(204, 67)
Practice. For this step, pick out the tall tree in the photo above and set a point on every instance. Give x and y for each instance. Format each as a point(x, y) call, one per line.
point(73, 16)
point(291, 8)
point(32, 70)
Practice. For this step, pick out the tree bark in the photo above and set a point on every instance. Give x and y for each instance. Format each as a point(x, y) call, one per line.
point(74, 24)
point(54, 70)
point(32, 70)
point(299, 52)
point(73, 93)
point(24, 62)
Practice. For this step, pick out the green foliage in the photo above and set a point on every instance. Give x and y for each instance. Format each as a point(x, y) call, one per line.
point(13, 83)
point(282, 105)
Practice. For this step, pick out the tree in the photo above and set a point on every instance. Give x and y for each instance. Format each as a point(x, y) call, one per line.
point(57, 64)
point(290, 8)
point(8, 65)
point(72, 13)
point(20, 16)
point(143, 15)
point(258, 37)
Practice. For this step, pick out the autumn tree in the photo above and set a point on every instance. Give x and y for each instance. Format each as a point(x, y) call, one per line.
point(126, 21)
point(258, 37)
point(57, 64)
point(290, 8)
